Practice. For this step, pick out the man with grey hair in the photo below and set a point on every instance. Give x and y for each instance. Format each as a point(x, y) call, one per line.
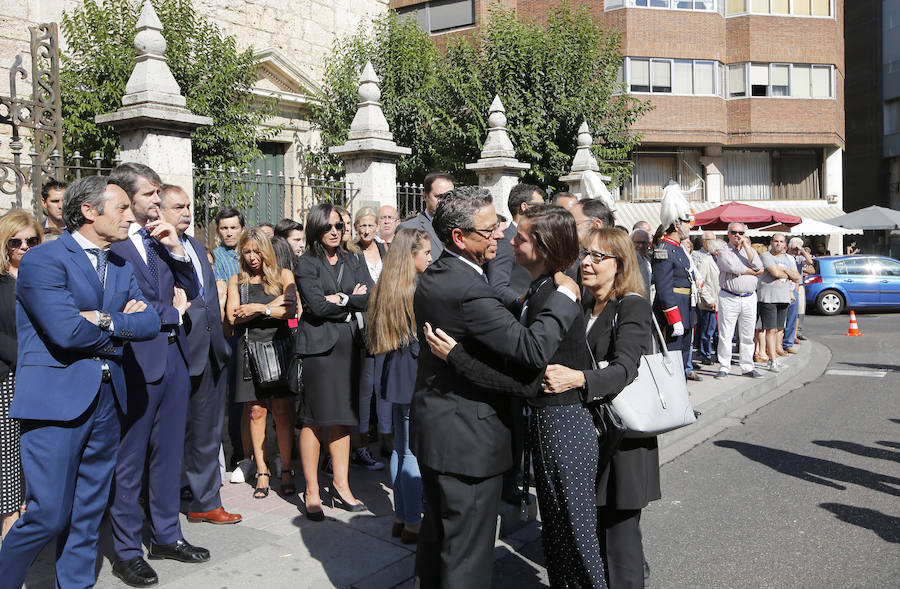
point(461, 443)
point(208, 363)
point(77, 305)
point(707, 304)
point(739, 266)
point(793, 329)
point(642, 241)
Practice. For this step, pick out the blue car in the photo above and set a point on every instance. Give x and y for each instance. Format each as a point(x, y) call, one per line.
point(844, 283)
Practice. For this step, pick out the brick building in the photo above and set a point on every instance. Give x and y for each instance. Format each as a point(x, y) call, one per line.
point(748, 96)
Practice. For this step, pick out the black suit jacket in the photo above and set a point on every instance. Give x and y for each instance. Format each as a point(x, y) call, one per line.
point(510, 279)
point(631, 479)
point(317, 331)
point(203, 320)
point(456, 426)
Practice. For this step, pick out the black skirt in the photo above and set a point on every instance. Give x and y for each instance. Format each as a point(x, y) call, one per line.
point(331, 383)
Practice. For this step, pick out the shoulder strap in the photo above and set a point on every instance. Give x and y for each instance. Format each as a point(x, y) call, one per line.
point(244, 292)
point(659, 340)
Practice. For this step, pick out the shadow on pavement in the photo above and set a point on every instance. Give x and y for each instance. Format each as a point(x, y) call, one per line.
point(859, 449)
point(886, 526)
point(814, 470)
point(888, 367)
point(889, 444)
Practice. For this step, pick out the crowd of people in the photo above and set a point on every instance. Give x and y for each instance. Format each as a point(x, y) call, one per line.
point(137, 362)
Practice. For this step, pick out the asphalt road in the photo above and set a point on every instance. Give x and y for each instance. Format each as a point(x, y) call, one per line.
point(803, 493)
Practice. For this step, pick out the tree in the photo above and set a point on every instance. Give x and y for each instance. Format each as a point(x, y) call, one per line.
point(550, 79)
point(213, 75)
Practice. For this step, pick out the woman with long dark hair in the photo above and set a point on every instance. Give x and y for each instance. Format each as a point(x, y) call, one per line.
point(19, 232)
point(392, 332)
point(334, 288)
point(261, 298)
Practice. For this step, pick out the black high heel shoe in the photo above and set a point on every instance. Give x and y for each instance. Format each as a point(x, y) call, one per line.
point(313, 516)
point(341, 503)
point(288, 489)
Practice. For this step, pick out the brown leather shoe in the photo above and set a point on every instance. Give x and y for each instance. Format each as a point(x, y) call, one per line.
point(216, 516)
point(791, 350)
point(781, 353)
point(408, 537)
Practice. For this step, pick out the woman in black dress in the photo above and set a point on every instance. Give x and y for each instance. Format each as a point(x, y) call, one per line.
point(334, 288)
point(19, 232)
point(618, 333)
point(261, 297)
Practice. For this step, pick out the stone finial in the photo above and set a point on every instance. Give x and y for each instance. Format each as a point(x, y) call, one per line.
point(584, 159)
point(497, 143)
point(151, 80)
point(369, 122)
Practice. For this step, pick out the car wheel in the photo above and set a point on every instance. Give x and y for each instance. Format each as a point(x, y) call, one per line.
point(830, 302)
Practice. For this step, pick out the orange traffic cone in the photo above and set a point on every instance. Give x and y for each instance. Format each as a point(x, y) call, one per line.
point(854, 326)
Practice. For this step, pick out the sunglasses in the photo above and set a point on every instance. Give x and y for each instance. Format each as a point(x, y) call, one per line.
point(15, 243)
point(596, 257)
point(736, 232)
point(338, 226)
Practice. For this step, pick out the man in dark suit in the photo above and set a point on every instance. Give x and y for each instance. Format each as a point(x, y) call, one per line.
point(510, 279)
point(78, 304)
point(209, 354)
point(457, 432)
point(158, 390)
point(435, 185)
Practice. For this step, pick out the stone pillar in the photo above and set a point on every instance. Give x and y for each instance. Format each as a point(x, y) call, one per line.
point(153, 124)
point(834, 190)
point(498, 169)
point(370, 154)
point(713, 163)
point(583, 161)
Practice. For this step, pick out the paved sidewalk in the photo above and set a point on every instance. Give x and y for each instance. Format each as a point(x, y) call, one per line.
point(276, 546)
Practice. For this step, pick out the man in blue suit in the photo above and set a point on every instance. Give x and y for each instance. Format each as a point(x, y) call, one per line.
point(209, 354)
point(158, 390)
point(77, 304)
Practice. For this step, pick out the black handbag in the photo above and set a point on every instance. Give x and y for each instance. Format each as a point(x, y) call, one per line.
point(295, 374)
point(266, 358)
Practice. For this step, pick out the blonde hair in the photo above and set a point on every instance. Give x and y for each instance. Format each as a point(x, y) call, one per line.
point(271, 273)
point(392, 321)
point(10, 224)
point(616, 242)
point(347, 245)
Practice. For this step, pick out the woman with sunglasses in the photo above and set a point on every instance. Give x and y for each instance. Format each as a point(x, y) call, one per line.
point(19, 232)
point(618, 333)
point(334, 288)
point(261, 298)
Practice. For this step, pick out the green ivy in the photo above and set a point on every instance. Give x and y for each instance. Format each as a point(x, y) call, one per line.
point(214, 76)
point(550, 78)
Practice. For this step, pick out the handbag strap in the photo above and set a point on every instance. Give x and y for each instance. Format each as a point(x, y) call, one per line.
point(657, 332)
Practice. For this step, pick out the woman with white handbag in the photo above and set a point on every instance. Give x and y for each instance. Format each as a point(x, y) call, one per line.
point(618, 334)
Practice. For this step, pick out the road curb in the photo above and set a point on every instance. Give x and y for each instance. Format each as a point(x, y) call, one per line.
point(726, 409)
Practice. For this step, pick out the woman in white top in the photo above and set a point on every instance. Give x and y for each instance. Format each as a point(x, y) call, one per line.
point(371, 252)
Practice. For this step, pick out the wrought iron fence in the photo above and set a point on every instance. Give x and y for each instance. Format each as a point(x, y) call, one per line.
point(263, 197)
point(410, 199)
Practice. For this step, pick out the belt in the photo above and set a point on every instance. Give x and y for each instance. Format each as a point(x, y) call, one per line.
point(681, 290)
point(105, 376)
point(172, 338)
point(746, 294)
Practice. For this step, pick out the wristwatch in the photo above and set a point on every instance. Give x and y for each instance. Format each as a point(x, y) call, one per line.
point(268, 310)
point(104, 320)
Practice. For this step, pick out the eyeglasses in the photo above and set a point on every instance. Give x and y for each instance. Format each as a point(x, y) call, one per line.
point(338, 226)
point(736, 232)
point(596, 257)
point(15, 243)
point(490, 231)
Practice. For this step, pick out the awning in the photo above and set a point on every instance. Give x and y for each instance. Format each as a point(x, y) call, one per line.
point(629, 213)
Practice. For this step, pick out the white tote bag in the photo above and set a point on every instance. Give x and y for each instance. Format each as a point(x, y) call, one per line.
point(657, 400)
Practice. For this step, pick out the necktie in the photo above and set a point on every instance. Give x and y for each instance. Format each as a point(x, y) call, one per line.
point(152, 256)
point(101, 264)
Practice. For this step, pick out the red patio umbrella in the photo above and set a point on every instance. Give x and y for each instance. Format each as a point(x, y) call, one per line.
point(719, 217)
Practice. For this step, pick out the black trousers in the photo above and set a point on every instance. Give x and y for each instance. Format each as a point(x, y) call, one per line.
point(456, 541)
point(203, 436)
point(622, 546)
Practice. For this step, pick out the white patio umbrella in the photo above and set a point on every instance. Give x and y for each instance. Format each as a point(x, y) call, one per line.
point(806, 227)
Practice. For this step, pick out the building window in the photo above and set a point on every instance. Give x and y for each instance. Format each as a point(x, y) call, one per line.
point(892, 116)
point(780, 80)
point(672, 76)
point(704, 5)
point(441, 15)
point(776, 174)
point(816, 8)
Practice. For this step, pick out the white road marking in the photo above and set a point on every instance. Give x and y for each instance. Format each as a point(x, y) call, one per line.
point(872, 373)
